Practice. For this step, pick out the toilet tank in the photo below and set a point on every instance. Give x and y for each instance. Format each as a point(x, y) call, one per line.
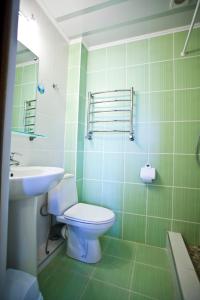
point(62, 196)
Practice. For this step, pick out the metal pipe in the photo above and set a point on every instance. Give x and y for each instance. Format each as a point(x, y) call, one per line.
point(89, 133)
point(131, 137)
point(105, 121)
point(114, 130)
point(113, 91)
point(106, 101)
point(113, 110)
point(190, 29)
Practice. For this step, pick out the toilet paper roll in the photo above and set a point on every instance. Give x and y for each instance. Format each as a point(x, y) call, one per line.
point(147, 173)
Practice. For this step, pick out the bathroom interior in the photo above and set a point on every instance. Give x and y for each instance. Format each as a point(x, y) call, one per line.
point(104, 186)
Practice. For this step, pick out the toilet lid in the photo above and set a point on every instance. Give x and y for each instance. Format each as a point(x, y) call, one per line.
point(87, 213)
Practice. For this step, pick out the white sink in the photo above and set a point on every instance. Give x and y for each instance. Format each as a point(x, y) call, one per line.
point(27, 182)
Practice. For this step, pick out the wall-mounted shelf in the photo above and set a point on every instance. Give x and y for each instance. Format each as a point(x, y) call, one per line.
point(30, 135)
point(115, 110)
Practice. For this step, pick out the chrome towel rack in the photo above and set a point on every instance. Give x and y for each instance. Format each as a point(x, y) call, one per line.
point(111, 107)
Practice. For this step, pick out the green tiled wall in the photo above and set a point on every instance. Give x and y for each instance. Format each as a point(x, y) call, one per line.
point(25, 89)
point(75, 112)
point(167, 125)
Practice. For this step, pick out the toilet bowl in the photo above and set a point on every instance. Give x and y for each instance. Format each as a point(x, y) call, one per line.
point(85, 222)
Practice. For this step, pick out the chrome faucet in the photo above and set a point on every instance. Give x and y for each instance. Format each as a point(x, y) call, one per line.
point(14, 162)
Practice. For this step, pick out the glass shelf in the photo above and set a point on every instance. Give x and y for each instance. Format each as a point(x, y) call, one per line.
point(31, 136)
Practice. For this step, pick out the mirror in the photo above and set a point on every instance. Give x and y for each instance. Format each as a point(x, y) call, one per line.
point(25, 91)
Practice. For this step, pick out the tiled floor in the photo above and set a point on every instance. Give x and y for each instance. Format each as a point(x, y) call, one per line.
point(127, 271)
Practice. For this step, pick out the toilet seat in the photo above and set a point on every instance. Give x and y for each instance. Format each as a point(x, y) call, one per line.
point(89, 214)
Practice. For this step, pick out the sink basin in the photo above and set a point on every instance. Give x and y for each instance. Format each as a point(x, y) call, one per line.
point(27, 182)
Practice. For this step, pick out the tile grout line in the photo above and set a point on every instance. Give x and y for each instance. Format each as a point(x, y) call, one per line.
point(174, 139)
point(133, 270)
point(143, 64)
point(138, 183)
point(124, 157)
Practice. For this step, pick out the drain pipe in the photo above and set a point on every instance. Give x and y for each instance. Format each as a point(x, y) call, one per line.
point(191, 27)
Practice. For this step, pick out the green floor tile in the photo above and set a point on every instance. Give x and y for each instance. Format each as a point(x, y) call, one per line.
point(100, 291)
point(114, 270)
point(120, 248)
point(135, 296)
point(152, 256)
point(153, 282)
point(63, 285)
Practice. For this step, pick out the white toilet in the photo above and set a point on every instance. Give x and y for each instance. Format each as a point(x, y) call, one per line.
point(85, 222)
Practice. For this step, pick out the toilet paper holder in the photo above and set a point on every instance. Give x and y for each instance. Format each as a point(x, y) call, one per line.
point(148, 173)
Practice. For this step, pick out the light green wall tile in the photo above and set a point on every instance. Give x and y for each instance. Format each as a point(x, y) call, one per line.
point(74, 55)
point(70, 162)
point(72, 108)
point(114, 142)
point(133, 164)
point(18, 75)
point(186, 137)
point(81, 137)
point(70, 137)
point(113, 166)
point(28, 91)
point(96, 81)
point(165, 43)
point(137, 77)
point(187, 105)
point(157, 230)
point(161, 106)
point(159, 201)
point(193, 47)
point(140, 143)
point(91, 192)
point(187, 74)
point(161, 76)
point(91, 171)
point(116, 229)
point(112, 195)
point(79, 165)
point(83, 83)
point(141, 104)
point(82, 107)
point(29, 73)
point(161, 137)
point(134, 228)
point(116, 56)
point(186, 204)
point(73, 80)
point(186, 171)
point(17, 96)
point(137, 52)
point(96, 60)
point(164, 168)
point(84, 57)
point(189, 231)
point(135, 197)
point(17, 117)
point(116, 79)
point(96, 144)
point(79, 185)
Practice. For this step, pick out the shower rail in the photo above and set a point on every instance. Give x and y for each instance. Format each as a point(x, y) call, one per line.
point(92, 112)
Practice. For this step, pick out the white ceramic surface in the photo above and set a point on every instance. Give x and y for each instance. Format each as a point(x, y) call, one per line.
point(26, 182)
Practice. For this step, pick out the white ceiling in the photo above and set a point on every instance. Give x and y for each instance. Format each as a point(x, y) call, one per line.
point(100, 21)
